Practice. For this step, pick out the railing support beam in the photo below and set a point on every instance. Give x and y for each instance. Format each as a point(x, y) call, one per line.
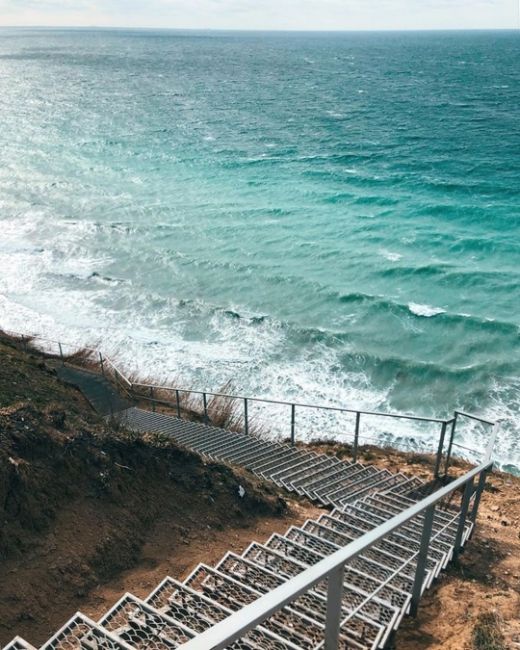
point(422, 559)
point(452, 435)
point(356, 437)
point(478, 494)
point(178, 400)
point(293, 423)
point(334, 598)
point(439, 450)
point(205, 403)
point(468, 491)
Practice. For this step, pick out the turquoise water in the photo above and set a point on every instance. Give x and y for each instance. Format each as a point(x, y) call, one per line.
point(329, 217)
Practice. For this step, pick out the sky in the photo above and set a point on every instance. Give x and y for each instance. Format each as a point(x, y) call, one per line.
point(266, 14)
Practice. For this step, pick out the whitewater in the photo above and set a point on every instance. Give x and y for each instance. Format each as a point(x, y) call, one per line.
point(327, 218)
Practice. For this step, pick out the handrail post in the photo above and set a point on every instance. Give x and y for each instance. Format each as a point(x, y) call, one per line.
point(452, 436)
point(422, 559)
point(468, 491)
point(61, 355)
point(478, 493)
point(152, 399)
point(334, 599)
point(246, 420)
point(293, 423)
point(205, 402)
point(356, 437)
point(101, 364)
point(439, 450)
point(491, 444)
point(178, 403)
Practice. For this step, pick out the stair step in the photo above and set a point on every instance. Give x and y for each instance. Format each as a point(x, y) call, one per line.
point(266, 450)
point(258, 465)
point(341, 475)
point(142, 626)
point(251, 446)
point(234, 594)
point(323, 547)
point(304, 474)
point(278, 560)
point(299, 457)
point(389, 511)
point(277, 462)
point(359, 482)
point(357, 527)
point(397, 552)
point(82, 633)
point(200, 612)
point(377, 484)
point(355, 478)
point(327, 470)
point(372, 517)
point(312, 604)
point(308, 460)
point(409, 486)
point(440, 520)
point(227, 451)
point(212, 441)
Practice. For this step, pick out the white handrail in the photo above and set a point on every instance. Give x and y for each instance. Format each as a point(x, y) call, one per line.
point(239, 623)
point(399, 416)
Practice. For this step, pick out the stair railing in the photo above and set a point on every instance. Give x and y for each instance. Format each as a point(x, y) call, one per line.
point(150, 393)
point(331, 568)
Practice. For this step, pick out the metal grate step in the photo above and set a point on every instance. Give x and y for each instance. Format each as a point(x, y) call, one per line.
point(280, 468)
point(307, 474)
point(370, 476)
point(182, 603)
point(234, 594)
point(141, 626)
point(324, 485)
point(442, 526)
point(356, 527)
point(328, 494)
point(324, 472)
point(312, 603)
point(395, 551)
point(82, 633)
point(370, 486)
point(277, 457)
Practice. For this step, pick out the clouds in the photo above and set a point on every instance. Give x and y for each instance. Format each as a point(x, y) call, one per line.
point(266, 14)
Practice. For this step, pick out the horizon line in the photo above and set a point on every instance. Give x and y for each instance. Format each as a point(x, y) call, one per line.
point(267, 30)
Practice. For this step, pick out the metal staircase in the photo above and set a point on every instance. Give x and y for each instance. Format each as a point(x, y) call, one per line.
point(376, 591)
point(323, 478)
point(344, 580)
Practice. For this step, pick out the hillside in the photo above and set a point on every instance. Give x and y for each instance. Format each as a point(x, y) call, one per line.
point(90, 511)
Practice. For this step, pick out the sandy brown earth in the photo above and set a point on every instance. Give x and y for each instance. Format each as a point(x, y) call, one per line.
point(88, 514)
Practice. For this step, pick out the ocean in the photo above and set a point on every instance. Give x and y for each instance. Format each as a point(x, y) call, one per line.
point(328, 218)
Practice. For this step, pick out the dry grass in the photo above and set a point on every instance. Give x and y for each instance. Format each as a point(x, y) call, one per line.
point(487, 633)
point(83, 357)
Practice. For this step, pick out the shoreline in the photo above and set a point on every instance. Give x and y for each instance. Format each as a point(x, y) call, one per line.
point(412, 442)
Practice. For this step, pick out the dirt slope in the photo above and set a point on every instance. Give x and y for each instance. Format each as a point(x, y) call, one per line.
point(84, 508)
